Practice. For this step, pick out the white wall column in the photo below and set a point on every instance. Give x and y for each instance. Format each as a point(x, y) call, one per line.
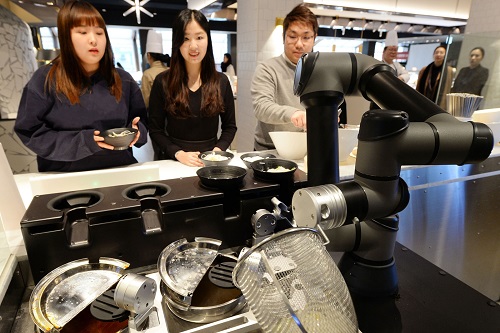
point(258, 40)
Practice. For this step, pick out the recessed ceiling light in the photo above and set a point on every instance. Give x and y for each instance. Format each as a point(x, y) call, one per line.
point(137, 8)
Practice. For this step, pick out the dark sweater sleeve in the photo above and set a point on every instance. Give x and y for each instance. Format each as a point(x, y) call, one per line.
point(483, 77)
point(137, 107)
point(228, 117)
point(157, 119)
point(39, 136)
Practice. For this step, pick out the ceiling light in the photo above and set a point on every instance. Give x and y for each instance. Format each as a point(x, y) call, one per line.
point(356, 24)
point(339, 22)
point(387, 26)
point(137, 7)
point(428, 29)
point(402, 27)
point(415, 28)
point(375, 26)
point(324, 21)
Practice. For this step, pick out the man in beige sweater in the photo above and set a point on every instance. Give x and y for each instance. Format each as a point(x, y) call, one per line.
point(275, 106)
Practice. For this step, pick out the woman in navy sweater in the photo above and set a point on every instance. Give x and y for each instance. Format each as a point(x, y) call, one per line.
point(67, 103)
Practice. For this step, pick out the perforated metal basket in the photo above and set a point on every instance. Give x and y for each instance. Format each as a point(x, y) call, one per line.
point(292, 284)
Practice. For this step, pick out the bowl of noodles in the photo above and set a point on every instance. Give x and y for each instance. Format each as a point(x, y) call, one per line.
point(119, 138)
point(249, 158)
point(274, 169)
point(216, 158)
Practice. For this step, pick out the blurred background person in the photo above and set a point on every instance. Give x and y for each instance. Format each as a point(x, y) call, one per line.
point(158, 62)
point(275, 106)
point(473, 78)
point(228, 69)
point(188, 100)
point(227, 65)
point(434, 80)
point(390, 54)
point(68, 102)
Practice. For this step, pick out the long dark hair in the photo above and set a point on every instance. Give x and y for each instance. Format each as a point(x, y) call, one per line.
point(165, 58)
point(224, 64)
point(67, 75)
point(175, 84)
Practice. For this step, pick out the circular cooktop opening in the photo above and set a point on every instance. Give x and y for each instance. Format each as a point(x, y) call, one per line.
point(148, 190)
point(75, 199)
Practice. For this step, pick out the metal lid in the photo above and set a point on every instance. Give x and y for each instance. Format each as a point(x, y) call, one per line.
point(183, 264)
point(69, 289)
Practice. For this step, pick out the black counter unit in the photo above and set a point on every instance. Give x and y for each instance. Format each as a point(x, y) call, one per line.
point(136, 222)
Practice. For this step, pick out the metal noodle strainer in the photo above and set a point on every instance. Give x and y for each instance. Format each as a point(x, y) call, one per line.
point(292, 284)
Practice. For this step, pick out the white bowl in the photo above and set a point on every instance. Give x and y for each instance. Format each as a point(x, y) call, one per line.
point(487, 116)
point(348, 139)
point(290, 145)
point(495, 128)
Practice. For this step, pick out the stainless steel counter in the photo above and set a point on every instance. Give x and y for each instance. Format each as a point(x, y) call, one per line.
point(450, 222)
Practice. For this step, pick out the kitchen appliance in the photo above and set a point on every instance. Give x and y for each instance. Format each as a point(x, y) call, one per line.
point(222, 177)
point(196, 281)
point(292, 284)
point(362, 213)
point(135, 222)
point(363, 210)
point(70, 289)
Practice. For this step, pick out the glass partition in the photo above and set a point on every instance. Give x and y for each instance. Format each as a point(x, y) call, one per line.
point(460, 47)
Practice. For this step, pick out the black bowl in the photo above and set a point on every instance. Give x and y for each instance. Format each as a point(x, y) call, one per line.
point(261, 169)
point(120, 138)
point(255, 154)
point(222, 177)
point(205, 158)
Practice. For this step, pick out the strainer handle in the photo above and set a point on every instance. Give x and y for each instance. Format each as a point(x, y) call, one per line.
point(326, 240)
point(284, 298)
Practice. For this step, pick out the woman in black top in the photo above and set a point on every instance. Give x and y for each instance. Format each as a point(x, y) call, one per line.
point(227, 65)
point(187, 101)
point(473, 78)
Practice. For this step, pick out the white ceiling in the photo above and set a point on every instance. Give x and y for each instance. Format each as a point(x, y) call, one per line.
point(446, 13)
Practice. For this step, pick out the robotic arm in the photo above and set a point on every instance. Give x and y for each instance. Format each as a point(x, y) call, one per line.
point(323, 79)
point(411, 131)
